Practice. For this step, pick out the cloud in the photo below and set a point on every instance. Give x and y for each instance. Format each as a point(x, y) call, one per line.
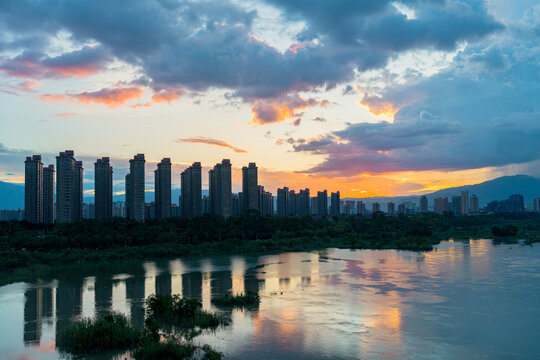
point(209, 141)
point(267, 111)
point(64, 115)
point(202, 45)
point(112, 97)
point(80, 63)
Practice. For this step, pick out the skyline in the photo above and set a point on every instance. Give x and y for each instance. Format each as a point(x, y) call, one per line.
point(393, 99)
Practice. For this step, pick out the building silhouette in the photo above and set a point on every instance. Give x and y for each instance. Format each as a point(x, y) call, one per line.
point(48, 195)
point(440, 205)
point(103, 176)
point(456, 205)
point(474, 204)
point(135, 188)
point(250, 188)
point(423, 204)
point(314, 209)
point(322, 203)
point(302, 203)
point(335, 209)
point(220, 186)
point(464, 202)
point(162, 189)
point(69, 187)
point(361, 208)
point(283, 201)
point(33, 189)
point(266, 202)
point(191, 190)
point(391, 208)
point(375, 207)
point(536, 204)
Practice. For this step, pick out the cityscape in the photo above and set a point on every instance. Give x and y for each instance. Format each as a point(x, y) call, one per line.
point(58, 196)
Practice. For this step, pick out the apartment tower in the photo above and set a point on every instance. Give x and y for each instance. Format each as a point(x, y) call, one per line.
point(250, 187)
point(48, 194)
point(135, 188)
point(69, 187)
point(103, 176)
point(162, 191)
point(33, 189)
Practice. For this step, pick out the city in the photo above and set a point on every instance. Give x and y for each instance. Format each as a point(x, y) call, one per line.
point(47, 203)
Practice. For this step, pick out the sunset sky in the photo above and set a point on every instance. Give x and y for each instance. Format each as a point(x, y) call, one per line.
point(369, 97)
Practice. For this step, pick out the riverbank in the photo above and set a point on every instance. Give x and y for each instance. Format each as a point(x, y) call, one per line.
point(30, 251)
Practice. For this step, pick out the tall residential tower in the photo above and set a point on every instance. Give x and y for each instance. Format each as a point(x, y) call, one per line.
point(103, 174)
point(163, 189)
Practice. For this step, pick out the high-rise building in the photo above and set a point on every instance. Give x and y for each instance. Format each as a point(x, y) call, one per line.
point(536, 205)
point(475, 204)
point(322, 203)
point(220, 183)
point(440, 205)
point(314, 209)
point(250, 187)
point(375, 207)
point(103, 174)
point(135, 188)
point(283, 201)
point(119, 209)
point(423, 204)
point(69, 187)
point(291, 208)
point(205, 205)
point(302, 203)
point(48, 195)
point(464, 202)
point(456, 205)
point(235, 205)
point(266, 202)
point(335, 204)
point(361, 208)
point(402, 209)
point(33, 189)
point(191, 190)
point(391, 208)
point(162, 190)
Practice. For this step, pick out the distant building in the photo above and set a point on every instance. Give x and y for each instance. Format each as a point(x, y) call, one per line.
point(536, 205)
point(464, 202)
point(150, 211)
point(135, 188)
point(423, 204)
point(402, 209)
point(291, 207)
point(119, 209)
point(335, 204)
point(250, 187)
point(48, 195)
point(322, 203)
point(206, 205)
point(474, 204)
point(175, 211)
point(440, 205)
point(235, 201)
point(162, 189)
point(103, 179)
point(283, 202)
point(391, 208)
point(375, 207)
point(314, 202)
point(266, 202)
point(69, 187)
point(303, 203)
point(12, 215)
point(33, 189)
point(456, 205)
point(89, 211)
point(361, 208)
point(349, 208)
point(221, 189)
point(191, 189)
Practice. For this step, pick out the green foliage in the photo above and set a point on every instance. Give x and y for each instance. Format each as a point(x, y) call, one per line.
point(169, 350)
point(211, 354)
point(110, 331)
point(251, 298)
point(183, 312)
point(505, 231)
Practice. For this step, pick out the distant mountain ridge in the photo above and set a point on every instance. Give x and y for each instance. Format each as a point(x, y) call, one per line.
point(12, 195)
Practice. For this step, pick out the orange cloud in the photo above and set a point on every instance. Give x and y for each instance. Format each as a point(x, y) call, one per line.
point(267, 111)
point(28, 85)
point(112, 97)
point(75, 70)
point(165, 95)
point(377, 105)
point(64, 115)
point(209, 141)
point(52, 97)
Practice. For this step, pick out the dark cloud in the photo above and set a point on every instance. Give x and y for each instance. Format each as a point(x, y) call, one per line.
point(206, 44)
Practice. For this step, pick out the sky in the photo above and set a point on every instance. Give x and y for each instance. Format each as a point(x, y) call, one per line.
point(372, 97)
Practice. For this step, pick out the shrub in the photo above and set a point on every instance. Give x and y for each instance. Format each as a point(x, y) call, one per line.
point(251, 298)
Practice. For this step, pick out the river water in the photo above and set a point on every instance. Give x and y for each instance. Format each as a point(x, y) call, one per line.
point(464, 300)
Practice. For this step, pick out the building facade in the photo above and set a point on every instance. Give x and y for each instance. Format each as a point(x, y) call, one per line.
point(103, 176)
point(191, 190)
point(135, 188)
point(33, 189)
point(220, 182)
point(48, 195)
point(423, 204)
point(322, 203)
point(335, 202)
point(69, 187)
point(440, 205)
point(162, 190)
point(250, 187)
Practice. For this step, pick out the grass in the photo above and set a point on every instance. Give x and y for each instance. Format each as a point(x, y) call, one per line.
point(108, 332)
point(182, 312)
point(251, 298)
point(150, 350)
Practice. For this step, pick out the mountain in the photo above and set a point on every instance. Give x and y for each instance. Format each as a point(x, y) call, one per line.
point(496, 189)
point(11, 195)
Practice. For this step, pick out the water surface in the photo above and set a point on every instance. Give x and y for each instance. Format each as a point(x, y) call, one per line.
point(465, 300)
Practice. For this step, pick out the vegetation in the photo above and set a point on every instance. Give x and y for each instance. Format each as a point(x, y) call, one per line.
point(505, 231)
point(113, 331)
point(249, 299)
point(107, 332)
point(27, 250)
point(183, 312)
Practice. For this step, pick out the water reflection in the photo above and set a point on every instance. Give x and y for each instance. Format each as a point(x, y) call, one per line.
point(334, 304)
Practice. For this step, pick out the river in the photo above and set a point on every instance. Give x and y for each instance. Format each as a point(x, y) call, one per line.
point(464, 300)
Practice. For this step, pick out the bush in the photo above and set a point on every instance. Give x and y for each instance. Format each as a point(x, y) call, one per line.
point(251, 298)
point(505, 231)
point(110, 331)
point(169, 350)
